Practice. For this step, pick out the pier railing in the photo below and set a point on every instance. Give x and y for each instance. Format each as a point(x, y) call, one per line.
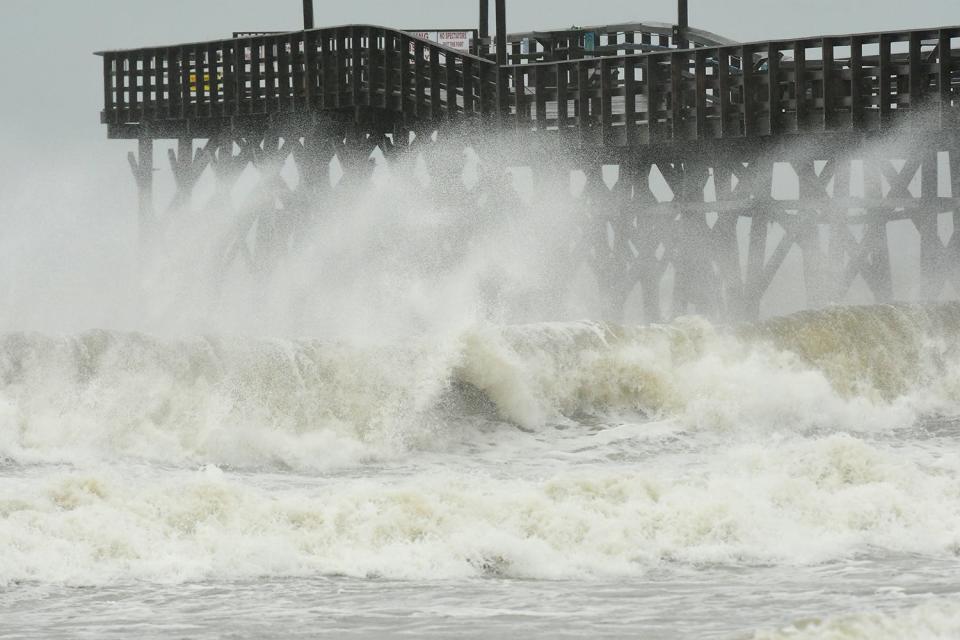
point(296, 72)
point(860, 82)
point(855, 82)
point(601, 41)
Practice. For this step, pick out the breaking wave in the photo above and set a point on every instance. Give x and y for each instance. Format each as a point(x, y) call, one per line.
point(807, 369)
point(159, 437)
point(801, 502)
point(318, 404)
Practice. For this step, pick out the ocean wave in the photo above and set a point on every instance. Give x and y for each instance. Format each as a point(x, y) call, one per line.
point(846, 365)
point(314, 404)
point(802, 502)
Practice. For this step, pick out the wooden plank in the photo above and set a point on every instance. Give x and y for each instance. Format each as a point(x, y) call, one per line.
point(294, 86)
point(652, 80)
point(630, 97)
point(436, 104)
point(214, 75)
point(171, 85)
point(270, 89)
point(678, 61)
point(488, 90)
point(469, 88)
point(519, 96)
point(885, 73)
point(356, 67)
point(800, 85)
point(857, 106)
point(606, 102)
point(420, 82)
point(199, 66)
point(132, 81)
point(145, 76)
point(943, 78)
point(310, 74)
point(723, 81)
point(749, 91)
point(700, 73)
point(159, 88)
point(828, 77)
point(243, 80)
point(773, 89)
point(562, 97)
point(195, 70)
point(183, 80)
point(389, 70)
point(256, 75)
point(374, 66)
point(916, 79)
point(540, 95)
point(233, 82)
point(453, 85)
point(405, 66)
point(326, 71)
point(583, 99)
point(109, 82)
point(340, 60)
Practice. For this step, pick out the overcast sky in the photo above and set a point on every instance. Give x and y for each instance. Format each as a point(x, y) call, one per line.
point(52, 85)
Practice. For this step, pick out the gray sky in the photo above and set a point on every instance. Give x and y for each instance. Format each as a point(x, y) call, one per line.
point(52, 85)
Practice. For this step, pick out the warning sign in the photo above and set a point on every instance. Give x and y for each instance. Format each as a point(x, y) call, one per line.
point(455, 39)
point(459, 40)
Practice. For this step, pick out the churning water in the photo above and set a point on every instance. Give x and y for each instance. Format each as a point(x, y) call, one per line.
point(476, 476)
point(543, 479)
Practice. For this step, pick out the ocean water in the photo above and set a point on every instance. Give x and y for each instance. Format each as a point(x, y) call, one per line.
point(797, 478)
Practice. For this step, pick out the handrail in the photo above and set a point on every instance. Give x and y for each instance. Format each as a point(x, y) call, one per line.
point(282, 34)
point(298, 71)
point(700, 37)
point(572, 43)
point(856, 82)
point(805, 85)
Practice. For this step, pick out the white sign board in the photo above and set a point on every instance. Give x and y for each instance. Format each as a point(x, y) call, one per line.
point(459, 40)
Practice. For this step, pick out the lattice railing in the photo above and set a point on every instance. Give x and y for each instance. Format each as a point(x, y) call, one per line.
point(858, 82)
point(301, 71)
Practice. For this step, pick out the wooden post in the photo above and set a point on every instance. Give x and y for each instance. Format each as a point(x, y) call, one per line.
point(308, 14)
point(484, 19)
point(501, 56)
point(141, 165)
point(683, 25)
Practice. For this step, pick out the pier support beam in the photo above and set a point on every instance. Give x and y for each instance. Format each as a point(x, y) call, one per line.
point(141, 164)
point(503, 92)
point(718, 233)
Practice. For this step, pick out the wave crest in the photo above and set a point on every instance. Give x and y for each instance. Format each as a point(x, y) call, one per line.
point(317, 404)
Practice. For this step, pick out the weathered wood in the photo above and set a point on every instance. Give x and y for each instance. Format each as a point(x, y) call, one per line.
point(724, 111)
point(141, 165)
point(715, 93)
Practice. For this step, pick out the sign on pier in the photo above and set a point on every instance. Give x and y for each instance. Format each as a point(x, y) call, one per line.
point(459, 40)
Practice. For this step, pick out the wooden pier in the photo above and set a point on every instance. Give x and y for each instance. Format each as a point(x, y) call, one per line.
point(712, 116)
